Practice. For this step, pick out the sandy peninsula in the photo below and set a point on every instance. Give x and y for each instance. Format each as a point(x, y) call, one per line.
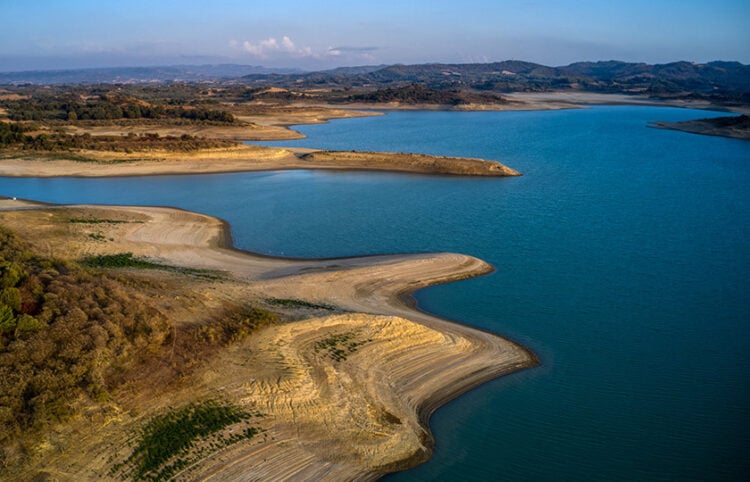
point(736, 127)
point(241, 158)
point(325, 417)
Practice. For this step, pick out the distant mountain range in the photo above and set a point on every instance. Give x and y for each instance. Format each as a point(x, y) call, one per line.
point(726, 81)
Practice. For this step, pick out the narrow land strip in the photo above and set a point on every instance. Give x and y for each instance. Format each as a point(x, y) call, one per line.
point(238, 159)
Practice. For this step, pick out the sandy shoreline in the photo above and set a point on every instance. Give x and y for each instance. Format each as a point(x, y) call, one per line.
point(243, 158)
point(410, 362)
point(556, 100)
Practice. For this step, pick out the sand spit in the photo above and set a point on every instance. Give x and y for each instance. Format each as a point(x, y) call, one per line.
point(242, 158)
point(325, 417)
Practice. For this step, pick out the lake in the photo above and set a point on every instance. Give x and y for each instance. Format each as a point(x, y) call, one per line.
point(622, 259)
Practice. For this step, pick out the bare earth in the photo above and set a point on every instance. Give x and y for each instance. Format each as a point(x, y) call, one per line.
point(324, 419)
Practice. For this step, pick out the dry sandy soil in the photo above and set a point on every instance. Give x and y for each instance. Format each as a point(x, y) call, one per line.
point(324, 418)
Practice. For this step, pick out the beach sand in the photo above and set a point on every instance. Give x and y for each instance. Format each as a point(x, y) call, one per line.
point(324, 419)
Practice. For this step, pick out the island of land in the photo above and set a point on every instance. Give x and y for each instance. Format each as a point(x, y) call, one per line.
point(301, 369)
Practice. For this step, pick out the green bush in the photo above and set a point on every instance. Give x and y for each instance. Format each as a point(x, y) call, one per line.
point(11, 297)
point(27, 325)
point(7, 320)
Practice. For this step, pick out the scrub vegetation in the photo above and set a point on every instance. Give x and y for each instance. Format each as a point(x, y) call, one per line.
point(174, 440)
point(339, 346)
point(25, 137)
point(70, 335)
point(127, 260)
point(292, 303)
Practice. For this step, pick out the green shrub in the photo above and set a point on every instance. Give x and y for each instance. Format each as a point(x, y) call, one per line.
point(10, 274)
point(11, 297)
point(27, 324)
point(7, 320)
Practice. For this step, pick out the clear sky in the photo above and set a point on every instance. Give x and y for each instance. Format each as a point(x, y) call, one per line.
point(316, 34)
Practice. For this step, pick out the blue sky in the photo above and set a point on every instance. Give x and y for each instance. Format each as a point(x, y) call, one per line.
point(313, 34)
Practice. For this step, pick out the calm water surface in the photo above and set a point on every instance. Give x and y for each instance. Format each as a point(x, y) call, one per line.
point(622, 259)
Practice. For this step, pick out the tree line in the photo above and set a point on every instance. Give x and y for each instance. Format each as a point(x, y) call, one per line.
point(41, 109)
point(16, 136)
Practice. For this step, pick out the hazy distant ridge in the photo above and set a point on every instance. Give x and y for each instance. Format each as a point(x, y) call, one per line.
point(729, 81)
point(609, 76)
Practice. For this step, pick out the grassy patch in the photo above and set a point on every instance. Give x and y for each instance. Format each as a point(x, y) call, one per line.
point(127, 260)
point(170, 442)
point(99, 221)
point(48, 156)
point(339, 345)
point(63, 156)
point(120, 260)
point(292, 303)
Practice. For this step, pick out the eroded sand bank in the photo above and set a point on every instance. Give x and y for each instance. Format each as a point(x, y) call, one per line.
point(325, 418)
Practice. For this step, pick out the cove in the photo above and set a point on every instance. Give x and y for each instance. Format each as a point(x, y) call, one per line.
point(622, 261)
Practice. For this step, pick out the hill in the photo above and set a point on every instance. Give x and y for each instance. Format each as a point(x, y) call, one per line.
point(717, 81)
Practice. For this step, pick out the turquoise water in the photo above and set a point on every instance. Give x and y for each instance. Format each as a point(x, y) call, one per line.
point(622, 259)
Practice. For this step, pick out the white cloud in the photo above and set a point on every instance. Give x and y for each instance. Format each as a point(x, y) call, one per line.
point(353, 54)
point(283, 50)
point(270, 46)
point(286, 44)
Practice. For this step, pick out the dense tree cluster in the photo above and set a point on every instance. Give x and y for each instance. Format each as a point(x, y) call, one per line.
point(64, 334)
point(107, 108)
point(419, 94)
point(13, 136)
point(69, 336)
